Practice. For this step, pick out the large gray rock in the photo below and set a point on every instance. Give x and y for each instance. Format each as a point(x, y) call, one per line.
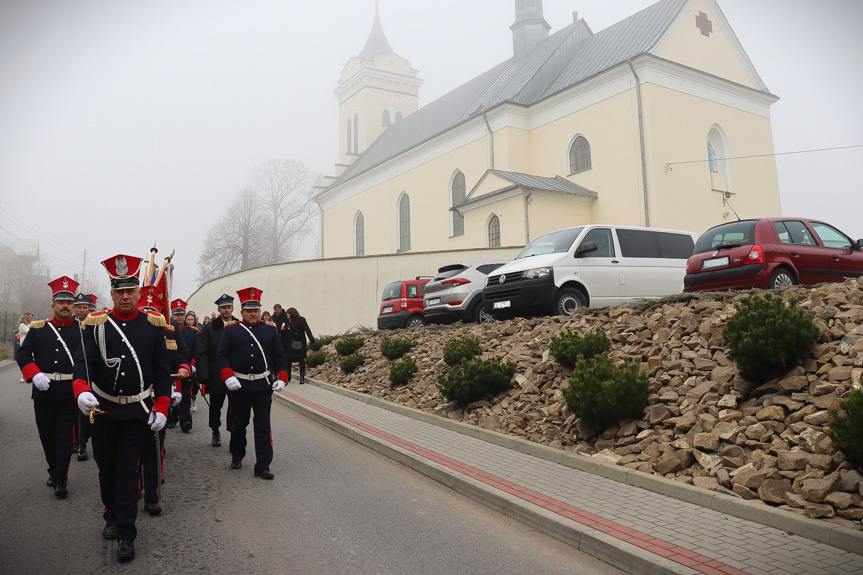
point(816, 490)
point(771, 413)
point(817, 510)
point(751, 478)
point(792, 460)
point(705, 442)
point(668, 464)
point(839, 500)
point(774, 490)
point(851, 481)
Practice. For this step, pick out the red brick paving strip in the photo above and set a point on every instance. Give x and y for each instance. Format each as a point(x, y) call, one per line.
point(643, 541)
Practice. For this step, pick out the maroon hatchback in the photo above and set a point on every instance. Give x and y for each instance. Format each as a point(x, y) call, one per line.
point(771, 253)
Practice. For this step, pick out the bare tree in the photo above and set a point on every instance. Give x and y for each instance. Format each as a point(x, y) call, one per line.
point(24, 282)
point(236, 242)
point(285, 189)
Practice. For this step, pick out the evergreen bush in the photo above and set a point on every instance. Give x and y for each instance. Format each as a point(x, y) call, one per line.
point(568, 347)
point(401, 371)
point(351, 362)
point(846, 426)
point(766, 337)
point(349, 345)
point(458, 350)
point(396, 348)
point(474, 380)
point(320, 342)
point(601, 392)
point(316, 358)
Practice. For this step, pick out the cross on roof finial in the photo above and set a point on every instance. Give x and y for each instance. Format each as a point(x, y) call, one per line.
point(703, 24)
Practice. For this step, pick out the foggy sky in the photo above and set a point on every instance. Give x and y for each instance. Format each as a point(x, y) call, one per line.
point(126, 122)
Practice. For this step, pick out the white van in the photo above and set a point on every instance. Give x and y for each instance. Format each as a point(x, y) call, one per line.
point(594, 265)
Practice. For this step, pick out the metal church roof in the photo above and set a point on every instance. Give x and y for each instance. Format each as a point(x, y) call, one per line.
point(561, 61)
point(556, 184)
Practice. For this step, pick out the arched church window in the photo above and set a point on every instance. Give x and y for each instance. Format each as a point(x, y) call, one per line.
point(717, 151)
point(579, 155)
point(385, 118)
point(404, 223)
point(359, 235)
point(457, 195)
point(494, 232)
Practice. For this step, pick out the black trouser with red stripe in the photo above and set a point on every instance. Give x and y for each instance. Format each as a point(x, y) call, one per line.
point(117, 449)
point(153, 466)
point(55, 420)
point(241, 406)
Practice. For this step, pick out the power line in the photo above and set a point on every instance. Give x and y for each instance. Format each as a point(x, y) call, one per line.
point(766, 155)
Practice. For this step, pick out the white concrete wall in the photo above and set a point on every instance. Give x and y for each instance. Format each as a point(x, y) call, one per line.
point(337, 294)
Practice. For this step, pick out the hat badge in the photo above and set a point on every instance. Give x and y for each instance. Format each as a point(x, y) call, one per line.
point(253, 293)
point(120, 264)
point(65, 284)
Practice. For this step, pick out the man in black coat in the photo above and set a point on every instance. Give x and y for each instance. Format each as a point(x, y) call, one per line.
point(207, 366)
point(46, 360)
point(252, 365)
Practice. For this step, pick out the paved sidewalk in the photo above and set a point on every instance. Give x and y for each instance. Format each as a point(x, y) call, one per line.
point(640, 531)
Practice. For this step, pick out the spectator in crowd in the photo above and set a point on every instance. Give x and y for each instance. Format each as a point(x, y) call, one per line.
point(23, 328)
point(298, 328)
point(266, 316)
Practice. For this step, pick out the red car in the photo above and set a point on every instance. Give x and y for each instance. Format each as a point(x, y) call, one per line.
point(771, 253)
point(402, 304)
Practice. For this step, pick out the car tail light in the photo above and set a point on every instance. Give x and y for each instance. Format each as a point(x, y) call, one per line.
point(756, 256)
point(689, 266)
point(455, 303)
point(455, 282)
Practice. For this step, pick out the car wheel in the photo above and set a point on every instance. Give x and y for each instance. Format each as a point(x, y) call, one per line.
point(482, 316)
point(781, 279)
point(415, 321)
point(569, 300)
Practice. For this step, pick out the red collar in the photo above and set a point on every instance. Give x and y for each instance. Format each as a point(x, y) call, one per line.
point(59, 323)
point(251, 324)
point(124, 317)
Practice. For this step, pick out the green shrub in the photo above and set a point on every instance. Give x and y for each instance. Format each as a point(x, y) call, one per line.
point(349, 345)
point(601, 392)
point(320, 342)
point(316, 358)
point(476, 380)
point(766, 337)
point(396, 348)
point(351, 362)
point(568, 347)
point(458, 350)
point(401, 371)
point(846, 426)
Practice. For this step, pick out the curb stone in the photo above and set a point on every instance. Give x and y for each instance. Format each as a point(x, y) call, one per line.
point(758, 512)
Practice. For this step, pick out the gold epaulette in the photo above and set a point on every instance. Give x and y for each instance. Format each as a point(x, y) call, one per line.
point(169, 327)
point(37, 324)
point(194, 327)
point(96, 318)
point(171, 344)
point(270, 323)
point(156, 319)
point(230, 323)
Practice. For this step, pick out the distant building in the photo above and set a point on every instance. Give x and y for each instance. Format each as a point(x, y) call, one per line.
point(636, 124)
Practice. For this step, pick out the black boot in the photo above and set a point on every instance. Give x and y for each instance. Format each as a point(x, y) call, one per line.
point(110, 530)
point(217, 439)
point(125, 550)
point(82, 452)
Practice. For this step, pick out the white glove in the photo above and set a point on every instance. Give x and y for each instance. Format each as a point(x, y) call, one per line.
point(157, 421)
point(86, 402)
point(279, 385)
point(41, 381)
point(233, 383)
point(176, 397)
point(194, 370)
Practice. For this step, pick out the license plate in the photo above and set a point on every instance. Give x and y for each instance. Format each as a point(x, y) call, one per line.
point(434, 301)
point(388, 309)
point(714, 263)
point(500, 305)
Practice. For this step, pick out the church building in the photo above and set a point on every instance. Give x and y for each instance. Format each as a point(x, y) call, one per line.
point(654, 121)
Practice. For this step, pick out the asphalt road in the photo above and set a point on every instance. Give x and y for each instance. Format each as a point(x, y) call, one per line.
point(335, 507)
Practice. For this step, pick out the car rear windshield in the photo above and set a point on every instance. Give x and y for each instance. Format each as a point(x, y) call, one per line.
point(393, 291)
point(448, 272)
point(554, 243)
point(725, 236)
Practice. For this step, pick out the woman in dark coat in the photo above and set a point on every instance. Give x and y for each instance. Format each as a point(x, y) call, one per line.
point(299, 328)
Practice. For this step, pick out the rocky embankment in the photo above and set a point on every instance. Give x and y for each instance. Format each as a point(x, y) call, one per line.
point(704, 424)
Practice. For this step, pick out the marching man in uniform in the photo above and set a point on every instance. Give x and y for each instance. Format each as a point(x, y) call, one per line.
point(252, 364)
point(45, 359)
point(123, 370)
point(83, 303)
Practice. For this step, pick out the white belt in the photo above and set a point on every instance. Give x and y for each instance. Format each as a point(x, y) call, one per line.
point(123, 399)
point(59, 376)
point(252, 376)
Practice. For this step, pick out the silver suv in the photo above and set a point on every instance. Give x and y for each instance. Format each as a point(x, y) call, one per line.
point(455, 293)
